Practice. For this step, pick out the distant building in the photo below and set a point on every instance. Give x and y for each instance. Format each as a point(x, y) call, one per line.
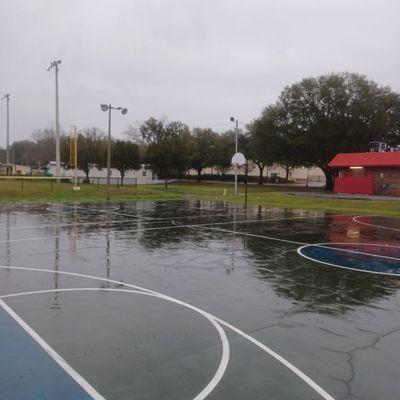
point(14, 169)
point(313, 176)
point(143, 175)
point(367, 173)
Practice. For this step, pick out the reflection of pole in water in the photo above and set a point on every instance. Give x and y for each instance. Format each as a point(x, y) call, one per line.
point(234, 240)
point(108, 255)
point(8, 250)
point(56, 262)
point(74, 230)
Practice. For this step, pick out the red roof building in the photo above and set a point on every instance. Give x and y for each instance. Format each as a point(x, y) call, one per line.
point(367, 173)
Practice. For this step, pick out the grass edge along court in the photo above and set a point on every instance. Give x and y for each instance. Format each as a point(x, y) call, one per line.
point(30, 190)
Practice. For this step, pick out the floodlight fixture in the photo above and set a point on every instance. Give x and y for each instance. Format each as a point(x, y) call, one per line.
point(109, 108)
point(54, 64)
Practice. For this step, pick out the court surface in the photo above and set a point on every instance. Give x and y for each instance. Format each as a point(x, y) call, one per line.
point(195, 300)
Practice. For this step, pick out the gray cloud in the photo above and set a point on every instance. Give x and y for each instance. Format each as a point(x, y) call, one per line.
point(198, 61)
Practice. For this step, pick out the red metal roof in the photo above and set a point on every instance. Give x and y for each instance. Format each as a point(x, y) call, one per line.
point(385, 159)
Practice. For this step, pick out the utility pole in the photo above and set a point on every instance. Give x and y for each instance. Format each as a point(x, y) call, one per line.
point(55, 65)
point(236, 149)
point(109, 108)
point(7, 97)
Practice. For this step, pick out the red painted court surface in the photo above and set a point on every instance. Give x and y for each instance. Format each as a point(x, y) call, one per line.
point(197, 300)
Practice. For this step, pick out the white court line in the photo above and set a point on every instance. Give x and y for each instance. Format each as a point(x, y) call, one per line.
point(299, 251)
point(71, 224)
point(155, 219)
point(171, 227)
point(327, 246)
point(53, 354)
point(104, 222)
point(304, 244)
point(103, 211)
point(252, 235)
point(355, 219)
point(212, 384)
point(263, 347)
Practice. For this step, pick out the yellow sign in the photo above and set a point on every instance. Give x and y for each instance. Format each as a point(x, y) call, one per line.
point(73, 149)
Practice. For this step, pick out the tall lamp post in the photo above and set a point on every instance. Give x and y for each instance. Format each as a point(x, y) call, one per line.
point(233, 119)
point(55, 65)
point(108, 107)
point(7, 98)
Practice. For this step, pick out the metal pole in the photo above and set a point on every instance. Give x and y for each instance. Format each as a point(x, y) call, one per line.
point(236, 150)
point(109, 153)
point(58, 161)
point(245, 182)
point(7, 96)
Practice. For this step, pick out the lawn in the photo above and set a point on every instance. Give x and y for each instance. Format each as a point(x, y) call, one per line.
point(273, 196)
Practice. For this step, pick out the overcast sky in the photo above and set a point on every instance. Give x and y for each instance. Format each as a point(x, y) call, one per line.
point(198, 61)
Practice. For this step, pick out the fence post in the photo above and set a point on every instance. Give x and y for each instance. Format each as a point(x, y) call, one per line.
point(51, 181)
point(135, 183)
point(22, 185)
point(98, 183)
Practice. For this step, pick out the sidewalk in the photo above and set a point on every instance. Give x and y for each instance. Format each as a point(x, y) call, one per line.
point(344, 196)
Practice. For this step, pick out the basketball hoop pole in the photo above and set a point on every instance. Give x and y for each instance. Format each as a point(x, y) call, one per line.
point(236, 150)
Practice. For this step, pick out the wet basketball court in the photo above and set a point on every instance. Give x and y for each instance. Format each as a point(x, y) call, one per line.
point(196, 300)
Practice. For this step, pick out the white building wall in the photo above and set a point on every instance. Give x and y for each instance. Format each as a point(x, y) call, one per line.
point(144, 175)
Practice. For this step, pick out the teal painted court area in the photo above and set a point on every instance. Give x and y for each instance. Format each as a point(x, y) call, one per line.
point(27, 371)
point(197, 300)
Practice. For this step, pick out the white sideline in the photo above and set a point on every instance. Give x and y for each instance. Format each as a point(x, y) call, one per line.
point(53, 354)
point(212, 384)
point(355, 219)
point(170, 227)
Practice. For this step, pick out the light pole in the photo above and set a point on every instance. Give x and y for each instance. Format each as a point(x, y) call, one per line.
point(7, 97)
point(55, 64)
point(108, 107)
point(236, 148)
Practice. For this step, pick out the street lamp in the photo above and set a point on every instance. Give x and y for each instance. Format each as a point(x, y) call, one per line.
point(233, 119)
point(55, 64)
point(108, 107)
point(7, 98)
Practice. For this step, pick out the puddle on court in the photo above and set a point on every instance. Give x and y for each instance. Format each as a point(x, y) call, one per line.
point(338, 326)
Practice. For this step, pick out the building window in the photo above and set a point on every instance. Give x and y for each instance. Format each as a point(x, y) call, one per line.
point(144, 173)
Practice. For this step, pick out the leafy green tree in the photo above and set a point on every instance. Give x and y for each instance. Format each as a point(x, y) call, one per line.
point(320, 117)
point(205, 141)
point(92, 147)
point(225, 148)
point(170, 146)
point(125, 156)
point(271, 144)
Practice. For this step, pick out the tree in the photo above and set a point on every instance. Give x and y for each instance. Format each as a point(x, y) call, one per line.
point(320, 117)
point(91, 150)
point(125, 157)
point(224, 151)
point(169, 146)
point(271, 143)
point(205, 141)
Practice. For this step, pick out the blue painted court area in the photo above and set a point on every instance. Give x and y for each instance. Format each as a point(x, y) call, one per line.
point(30, 373)
point(378, 259)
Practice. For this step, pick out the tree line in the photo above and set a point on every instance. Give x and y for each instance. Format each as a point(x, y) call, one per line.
point(310, 122)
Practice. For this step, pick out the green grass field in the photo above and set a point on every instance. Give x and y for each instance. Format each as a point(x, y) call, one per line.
point(274, 196)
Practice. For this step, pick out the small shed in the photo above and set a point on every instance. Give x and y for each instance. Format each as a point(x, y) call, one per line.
point(367, 173)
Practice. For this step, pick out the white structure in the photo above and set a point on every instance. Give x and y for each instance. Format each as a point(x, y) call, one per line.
point(301, 175)
point(144, 176)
